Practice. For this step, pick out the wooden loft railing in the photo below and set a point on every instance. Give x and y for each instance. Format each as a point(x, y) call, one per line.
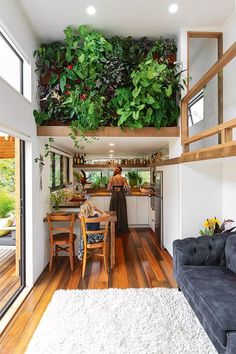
point(224, 129)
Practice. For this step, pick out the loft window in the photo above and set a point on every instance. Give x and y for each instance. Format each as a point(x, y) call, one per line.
point(11, 64)
point(59, 171)
point(196, 109)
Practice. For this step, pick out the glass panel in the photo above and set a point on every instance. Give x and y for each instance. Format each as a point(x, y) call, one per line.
point(57, 170)
point(11, 221)
point(10, 65)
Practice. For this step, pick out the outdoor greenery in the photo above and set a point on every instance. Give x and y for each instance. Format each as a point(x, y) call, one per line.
point(7, 175)
point(134, 178)
point(7, 204)
point(90, 81)
point(99, 182)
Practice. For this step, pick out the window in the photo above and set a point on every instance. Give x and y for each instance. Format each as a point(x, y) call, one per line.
point(59, 171)
point(145, 176)
point(196, 109)
point(94, 175)
point(14, 68)
point(11, 64)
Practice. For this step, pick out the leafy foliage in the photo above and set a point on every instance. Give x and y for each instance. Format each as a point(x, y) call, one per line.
point(99, 182)
point(7, 175)
point(57, 198)
point(134, 178)
point(7, 204)
point(152, 102)
point(91, 81)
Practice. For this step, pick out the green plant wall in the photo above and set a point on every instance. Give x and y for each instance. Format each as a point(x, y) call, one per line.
point(90, 81)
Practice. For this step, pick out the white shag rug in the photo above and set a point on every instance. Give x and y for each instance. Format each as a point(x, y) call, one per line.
point(124, 321)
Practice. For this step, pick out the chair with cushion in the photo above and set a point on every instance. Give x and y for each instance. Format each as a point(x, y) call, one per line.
point(62, 238)
point(94, 238)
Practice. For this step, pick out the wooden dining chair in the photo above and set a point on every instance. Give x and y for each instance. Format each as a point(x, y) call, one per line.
point(97, 248)
point(62, 238)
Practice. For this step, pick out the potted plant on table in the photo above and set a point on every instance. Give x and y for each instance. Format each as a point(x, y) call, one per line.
point(134, 178)
point(57, 198)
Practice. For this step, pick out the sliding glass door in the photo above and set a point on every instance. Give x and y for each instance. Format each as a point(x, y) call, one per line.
point(12, 220)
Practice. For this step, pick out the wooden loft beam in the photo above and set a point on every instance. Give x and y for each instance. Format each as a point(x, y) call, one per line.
point(111, 131)
point(196, 34)
point(7, 148)
point(214, 70)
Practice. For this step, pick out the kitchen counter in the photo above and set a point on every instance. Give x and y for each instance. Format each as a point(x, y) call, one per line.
point(105, 194)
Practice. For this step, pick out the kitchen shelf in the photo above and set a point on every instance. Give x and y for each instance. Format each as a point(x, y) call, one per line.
point(86, 165)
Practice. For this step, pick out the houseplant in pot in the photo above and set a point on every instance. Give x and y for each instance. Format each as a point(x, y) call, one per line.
point(7, 207)
point(57, 198)
point(134, 179)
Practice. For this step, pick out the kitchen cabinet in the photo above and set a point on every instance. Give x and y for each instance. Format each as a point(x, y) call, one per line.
point(132, 210)
point(107, 203)
point(143, 210)
point(137, 208)
point(152, 218)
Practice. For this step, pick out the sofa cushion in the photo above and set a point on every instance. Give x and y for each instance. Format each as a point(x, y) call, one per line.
point(213, 289)
point(231, 343)
point(230, 253)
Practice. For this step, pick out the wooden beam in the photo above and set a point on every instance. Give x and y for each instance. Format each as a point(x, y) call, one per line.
point(220, 83)
point(212, 152)
point(111, 131)
point(211, 131)
point(7, 148)
point(196, 34)
point(214, 70)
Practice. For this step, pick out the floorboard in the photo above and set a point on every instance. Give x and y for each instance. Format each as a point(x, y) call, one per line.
point(139, 263)
point(9, 282)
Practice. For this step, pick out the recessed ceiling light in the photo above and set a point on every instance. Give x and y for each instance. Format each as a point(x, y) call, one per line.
point(91, 10)
point(111, 144)
point(111, 150)
point(173, 8)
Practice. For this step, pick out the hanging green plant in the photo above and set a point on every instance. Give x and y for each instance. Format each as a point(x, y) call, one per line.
point(89, 81)
point(153, 101)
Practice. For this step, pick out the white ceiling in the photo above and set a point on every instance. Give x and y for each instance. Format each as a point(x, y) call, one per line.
point(124, 147)
point(137, 18)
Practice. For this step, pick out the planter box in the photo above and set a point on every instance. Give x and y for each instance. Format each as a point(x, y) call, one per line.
point(63, 130)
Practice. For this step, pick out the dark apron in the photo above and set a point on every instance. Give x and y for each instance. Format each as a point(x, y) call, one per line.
point(118, 204)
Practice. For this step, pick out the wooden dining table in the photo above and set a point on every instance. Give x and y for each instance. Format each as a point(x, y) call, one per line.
point(112, 238)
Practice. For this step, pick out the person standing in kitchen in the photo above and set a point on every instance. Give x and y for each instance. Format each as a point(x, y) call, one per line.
point(118, 185)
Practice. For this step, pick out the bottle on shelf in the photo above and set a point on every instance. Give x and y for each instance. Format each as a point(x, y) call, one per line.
point(75, 160)
point(82, 159)
point(85, 158)
point(78, 159)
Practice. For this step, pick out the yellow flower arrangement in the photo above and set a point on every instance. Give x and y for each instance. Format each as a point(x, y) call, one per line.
point(211, 226)
point(210, 223)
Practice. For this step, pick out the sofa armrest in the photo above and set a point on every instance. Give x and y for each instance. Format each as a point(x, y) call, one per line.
point(231, 343)
point(199, 251)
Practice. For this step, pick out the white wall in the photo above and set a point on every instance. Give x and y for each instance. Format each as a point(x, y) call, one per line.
point(201, 195)
point(229, 188)
point(16, 118)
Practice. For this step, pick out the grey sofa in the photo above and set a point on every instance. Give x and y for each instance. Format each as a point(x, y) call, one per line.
point(205, 270)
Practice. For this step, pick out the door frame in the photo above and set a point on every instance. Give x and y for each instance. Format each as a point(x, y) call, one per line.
point(22, 227)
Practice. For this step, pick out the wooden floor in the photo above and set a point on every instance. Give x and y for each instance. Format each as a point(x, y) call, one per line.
point(9, 282)
point(139, 263)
